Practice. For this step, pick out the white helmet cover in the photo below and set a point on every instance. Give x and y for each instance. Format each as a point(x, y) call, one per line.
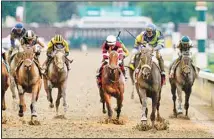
point(111, 40)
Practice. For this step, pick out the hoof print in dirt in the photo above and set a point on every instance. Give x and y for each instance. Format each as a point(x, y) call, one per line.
point(143, 127)
point(60, 117)
point(162, 125)
point(118, 121)
point(112, 121)
point(183, 117)
point(34, 122)
point(4, 120)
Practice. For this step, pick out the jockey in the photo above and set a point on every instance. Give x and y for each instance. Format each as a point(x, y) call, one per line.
point(111, 43)
point(30, 38)
point(155, 39)
point(16, 33)
point(57, 39)
point(184, 46)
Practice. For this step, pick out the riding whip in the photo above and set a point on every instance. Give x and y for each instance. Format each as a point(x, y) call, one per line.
point(134, 37)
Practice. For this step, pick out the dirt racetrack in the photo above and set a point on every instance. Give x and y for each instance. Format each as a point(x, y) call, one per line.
point(84, 115)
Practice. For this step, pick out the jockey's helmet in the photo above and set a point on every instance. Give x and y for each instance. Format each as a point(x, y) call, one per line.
point(111, 40)
point(19, 27)
point(29, 36)
point(185, 40)
point(58, 39)
point(150, 30)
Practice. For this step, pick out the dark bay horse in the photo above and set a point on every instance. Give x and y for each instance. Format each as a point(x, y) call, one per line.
point(183, 81)
point(149, 84)
point(56, 77)
point(4, 83)
point(28, 80)
point(112, 84)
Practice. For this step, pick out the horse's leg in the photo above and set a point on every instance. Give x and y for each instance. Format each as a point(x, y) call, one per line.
point(173, 91)
point(187, 95)
point(12, 87)
point(179, 91)
point(62, 90)
point(48, 89)
point(102, 99)
point(158, 106)
point(59, 95)
point(35, 90)
point(143, 97)
point(120, 101)
point(22, 106)
point(108, 104)
point(3, 99)
point(138, 92)
point(131, 72)
point(154, 107)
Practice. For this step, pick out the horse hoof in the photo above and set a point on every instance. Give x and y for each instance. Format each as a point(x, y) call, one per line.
point(143, 118)
point(4, 108)
point(51, 105)
point(179, 111)
point(21, 114)
point(34, 114)
point(104, 111)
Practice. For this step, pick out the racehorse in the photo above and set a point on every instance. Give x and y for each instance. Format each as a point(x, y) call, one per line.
point(149, 84)
point(4, 83)
point(183, 81)
point(56, 77)
point(28, 80)
point(112, 84)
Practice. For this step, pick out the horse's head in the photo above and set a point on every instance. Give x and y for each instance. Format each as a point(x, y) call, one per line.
point(186, 65)
point(28, 56)
point(113, 66)
point(146, 62)
point(59, 57)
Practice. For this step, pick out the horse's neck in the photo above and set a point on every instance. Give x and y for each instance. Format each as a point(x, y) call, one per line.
point(179, 72)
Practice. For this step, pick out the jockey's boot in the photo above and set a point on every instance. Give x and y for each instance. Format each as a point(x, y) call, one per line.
point(98, 76)
point(9, 54)
point(131, 65)
point(67, 64)
point(163, 76)
point(5, 62)
point(123, 71)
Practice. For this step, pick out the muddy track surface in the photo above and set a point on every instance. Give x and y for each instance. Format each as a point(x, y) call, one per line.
point(84, 117)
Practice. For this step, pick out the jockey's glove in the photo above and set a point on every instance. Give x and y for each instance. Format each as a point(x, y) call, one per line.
point(120, 61)
point(50, 55)
point(158, 47)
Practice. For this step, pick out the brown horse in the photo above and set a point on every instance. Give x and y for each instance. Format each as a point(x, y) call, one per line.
point(112, 84)
point(149, 84)
point(56, 77)
point(4, 83)
point(28, 80)
point(183, 81)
